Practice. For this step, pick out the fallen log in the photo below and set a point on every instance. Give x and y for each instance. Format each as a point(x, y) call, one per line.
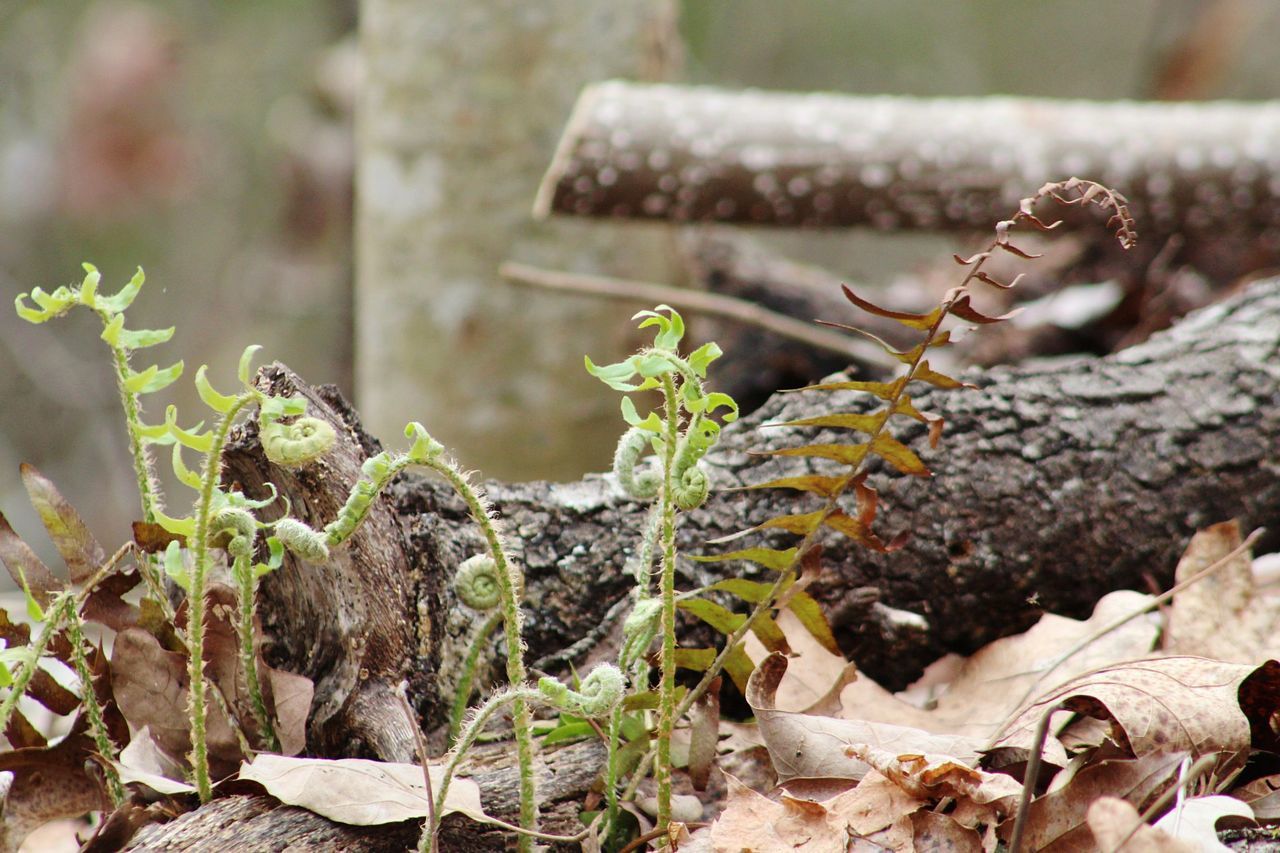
point(1056, 482)
point(699, 154)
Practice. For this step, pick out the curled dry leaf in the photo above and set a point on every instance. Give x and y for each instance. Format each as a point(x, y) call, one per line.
point(751, 821)
point(358, 791)
point(144, 763)
point(1173, 704)
point(809, 745)
point(1058, 821)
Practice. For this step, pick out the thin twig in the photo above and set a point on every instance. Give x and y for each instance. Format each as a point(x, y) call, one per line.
point(698, 302)
point(420, 745)
point(1029, 776)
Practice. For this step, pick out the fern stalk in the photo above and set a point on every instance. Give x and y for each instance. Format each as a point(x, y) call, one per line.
point(89, 698)
point(198, 705)
point(242, 571)
point(667, 686)
point(512, 620)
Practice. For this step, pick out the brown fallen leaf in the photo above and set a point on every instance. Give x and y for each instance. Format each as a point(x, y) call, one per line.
point(71, 537)
point(289, 696)
point(48, 784)
point(810, 745)
point(1172, 704)
point(753, 823)
point(357, 791)
point(1227, 597)
point(981, 798)
point(1112, 821)
point(151, 689)
point(933, 831)
point(1058, 821)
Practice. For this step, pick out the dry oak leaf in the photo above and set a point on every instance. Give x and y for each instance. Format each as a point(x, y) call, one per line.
point(357, 791)
point(1200, 615)
point(805, 745)
point(754, 823)
point(1172, 704)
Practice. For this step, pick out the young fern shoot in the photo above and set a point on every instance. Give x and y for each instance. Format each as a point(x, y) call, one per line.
point(680, 436)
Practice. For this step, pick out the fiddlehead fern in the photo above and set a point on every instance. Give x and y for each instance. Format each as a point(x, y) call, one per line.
point(301, 540)
point(476, 582)
point(600, 692)
point(296, 443)
point(642, 485)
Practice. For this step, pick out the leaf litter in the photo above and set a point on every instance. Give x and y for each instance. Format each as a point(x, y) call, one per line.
point(1133, 701)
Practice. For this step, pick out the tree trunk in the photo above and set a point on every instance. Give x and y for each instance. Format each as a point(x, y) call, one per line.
point(1055, 483)
point(461, 104)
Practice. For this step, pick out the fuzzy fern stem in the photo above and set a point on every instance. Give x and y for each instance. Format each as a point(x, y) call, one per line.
point(667, 592)
point(89, 699)
point(27, 669)
point(247, 584)
point(198, 706)
point(462, 695)
point(512, 619)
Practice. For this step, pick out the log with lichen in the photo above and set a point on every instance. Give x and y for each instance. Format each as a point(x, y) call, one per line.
point(694, 154)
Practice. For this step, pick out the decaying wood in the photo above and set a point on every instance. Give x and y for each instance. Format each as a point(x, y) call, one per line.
point(1056, 482)
point(696, 154)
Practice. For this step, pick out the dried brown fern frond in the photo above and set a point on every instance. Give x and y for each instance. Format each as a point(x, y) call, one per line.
point(873, 428)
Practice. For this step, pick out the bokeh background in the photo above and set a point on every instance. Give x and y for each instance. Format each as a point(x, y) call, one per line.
point(212, 144)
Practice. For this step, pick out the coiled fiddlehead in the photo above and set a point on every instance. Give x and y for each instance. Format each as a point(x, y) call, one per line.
point(242, 527)
point(301, 540)
point(476, 583)
point(644, 485)
point(600, 692)
point(296, 443)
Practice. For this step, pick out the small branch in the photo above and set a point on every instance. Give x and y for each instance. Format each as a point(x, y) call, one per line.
point(698, 302)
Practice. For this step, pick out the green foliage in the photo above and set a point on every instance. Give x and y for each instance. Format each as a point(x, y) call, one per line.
point(680, 435)
point(221, 525)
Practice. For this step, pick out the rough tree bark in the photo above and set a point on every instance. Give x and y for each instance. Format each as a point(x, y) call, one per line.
point(1055, 483)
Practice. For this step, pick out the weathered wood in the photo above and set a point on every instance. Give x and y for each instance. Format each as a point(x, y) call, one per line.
point(695, 154)
point(347, 624)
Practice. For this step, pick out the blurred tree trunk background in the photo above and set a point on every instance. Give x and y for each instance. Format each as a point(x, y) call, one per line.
point(461, 107)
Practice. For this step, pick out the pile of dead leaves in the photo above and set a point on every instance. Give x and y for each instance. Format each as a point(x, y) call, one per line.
point(1156, 730)
point(1139, 729)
